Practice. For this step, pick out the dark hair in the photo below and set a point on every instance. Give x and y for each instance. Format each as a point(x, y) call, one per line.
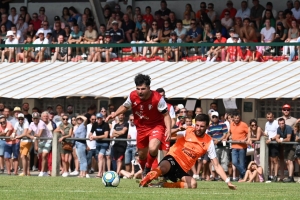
point(36, 108)
point(163, 1)
point(59, 105)
point(160, 90)
point(202, 118)
point(73, 10)
point(270, 113)
point(211, 4)
point(214, 102)
point(246, 19)
point(148, 7)
point(253, 120)
point(75, 25)
point(288, 12)
point(13, 25)
point(204, 3)
point(92, 107)
point(102, 25)
point(236, 114)
point(281, 119)
point(268, 10)
point(179, 21)
point(13, 8)
point(65, 8)
point(141, 79)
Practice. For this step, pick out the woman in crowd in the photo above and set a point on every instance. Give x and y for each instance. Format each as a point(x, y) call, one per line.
point(254, 134)
point(189, 9)
point(267, 36)
point(204, 19)
point(139, 36)
point(227, 21)
point(22, 26)
point(281, 18)
point(186, 22)
point(119, 20)
point(81, 145)
point(280, 36)
point(65, 129)
point(42, 15)
point(208, 37)
point(129, 12)
point(212, 14)
point(89, 14)
point(65, 16)
point(254, 173)
point(152, 38)
point(268, 15)
point(24, 14)
point(137, 11)
point(165, 33)
point(13, 17)
point(293, 35)
point(3, 32)
point(218, 26)
point(67, 32)
point(75, 158)
point(74, 14)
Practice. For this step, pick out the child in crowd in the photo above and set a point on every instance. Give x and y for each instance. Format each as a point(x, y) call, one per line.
point(27, 53)
point(254, 173)
point(136, 172)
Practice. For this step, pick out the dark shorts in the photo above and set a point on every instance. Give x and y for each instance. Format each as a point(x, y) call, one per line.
point(205, 157)
point(289, 152)
point(175, 172)
point(274, 150)
point(118, 151)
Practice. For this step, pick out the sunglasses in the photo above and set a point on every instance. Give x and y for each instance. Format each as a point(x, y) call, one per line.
point(214, 117)
point(253, 125)
point(286, 109)
point(65, 119)
point(131, 120)
point(154, 24)
point(3, 122)
point(183, 111)
point(21, 119)
point(193, 23)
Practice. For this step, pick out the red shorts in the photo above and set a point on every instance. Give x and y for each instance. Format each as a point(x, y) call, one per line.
point(165, 146)
point(143, 139)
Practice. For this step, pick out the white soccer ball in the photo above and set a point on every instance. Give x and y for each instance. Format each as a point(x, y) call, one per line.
point(110, 179)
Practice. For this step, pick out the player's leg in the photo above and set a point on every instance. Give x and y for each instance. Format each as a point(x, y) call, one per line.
point(142, 148)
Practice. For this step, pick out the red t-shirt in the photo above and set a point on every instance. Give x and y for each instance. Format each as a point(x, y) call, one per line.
point(36, 24)
point(147, 113)
point(259, 56)
point(148, 19)
point(232, 13)
point(223, 40)
point(244, 55)
point(233, 52)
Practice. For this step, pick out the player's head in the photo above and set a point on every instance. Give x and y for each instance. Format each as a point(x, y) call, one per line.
point(161, 91)
point(142, 83)
point(201, 124)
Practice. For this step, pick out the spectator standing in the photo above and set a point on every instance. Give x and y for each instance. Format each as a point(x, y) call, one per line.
point(218, 131)
point(101, 129)
point(254, 134)
point(244, 11)
point(91, 145)
point(285, 133)
point(230, 8)
point(164, 11)
point(271, 132)
point(131, 145)
point(25, 109)
point(239, 132)
point(59, 111)
point(148, 17)
point(80, 133)
point(256, 12)
point(119, 147)
point(90, 111)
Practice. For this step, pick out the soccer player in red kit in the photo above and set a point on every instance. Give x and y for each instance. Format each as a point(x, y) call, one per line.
point(151, 118)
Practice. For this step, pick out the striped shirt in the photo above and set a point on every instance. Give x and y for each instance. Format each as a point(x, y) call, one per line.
point(216, 131)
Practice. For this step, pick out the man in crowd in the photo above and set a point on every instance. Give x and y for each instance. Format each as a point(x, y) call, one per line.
point(128, 27)
point(244, 11)
point(164, 11)
point(247, 33)
point(62, 53)
point(76, 37)
point(9, 52)
point(256, 12)
point(219, 51)
point(27, 115)
point(271, 132)
point(41, 53)
point(59, 110)
point(131, 145)
point(116, 33)
point(286, 115)
point(232, 11)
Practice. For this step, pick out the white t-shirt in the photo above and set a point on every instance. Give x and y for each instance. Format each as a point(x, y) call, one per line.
point(271, 128)
point(182, 32)
point(14, 41)
point(90, 144)
point(211, 152)
point(230, 40)
point(20, 129)
point(38, 41)
point(46, 31)
point(243, 14)
point(132, 132)
point(227, 23)
point(296, 13)
point(16, 18)
point(267, 33)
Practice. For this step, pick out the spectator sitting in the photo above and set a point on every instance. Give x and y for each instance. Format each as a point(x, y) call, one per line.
point(280, 36)
point(255, 55)
point(148, 17)
point(13, 17)
point(136, 170)
point(139, 36)
point(215, 52)
point(3, 32)
point(293, 35)
point(24, 14)
point(42, 15)
point(129, 12)
point(62, 53)
point(118, 11)
point(27, 53)
point(84, 22)
point(208, 37)
point(254, 173)
point(232, 11)
point(227, 21)
point(172, 52)
point(165, 33)
point(217, 26)
point(119, 20)
point(267, 36)
point(202, 10)
point(94, 50)
point(172, 20)
point(45, 28)
point(212, 14)
point(194, 35)
point(152, 38)
point(189, 9)
point(106, 52)
point(232, 51)
point(289, 6)
point(296, 11)
point(116, 33)
point(22, 26)
point(244, 11)
point(159, 20)
point(57, 20)
point(180, 30)
point(231, 34)
point(128, 27)
point(88, 14)
point(41, 53)
point(237, 26)
point(75, 15)
point(18, 35)
point(204, 19)
point(71, 23)
point(111, 19)
point(269, 6)
point(247, 33)
point(5, 21)
point(244, 54)
point(37, 24)
point(65, 15)
point(90, 36)
point(68, 32)
point(137, 12)
point(57, 31)
point(289, 18)
point(138, 22)
point(256, 12)
point(102, 29)
point(281, 19)
point(164, 11)
point(9, 51)
point(107, 15)
point(31, 31)
point(268, 15)
point(186, 22)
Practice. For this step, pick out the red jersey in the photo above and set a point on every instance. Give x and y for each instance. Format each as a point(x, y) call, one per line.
point(223, 40)
point(233, 52)
point(148, 19)
point(258, 56)
point(147, 113)
point(245, 54)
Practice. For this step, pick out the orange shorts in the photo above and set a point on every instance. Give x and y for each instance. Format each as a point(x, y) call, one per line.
point(142, 140)
point(25, 148)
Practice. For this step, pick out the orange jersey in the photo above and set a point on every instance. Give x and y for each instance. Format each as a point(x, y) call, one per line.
point(189, 148)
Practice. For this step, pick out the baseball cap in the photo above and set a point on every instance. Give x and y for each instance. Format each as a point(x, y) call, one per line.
point(210, 111)
point(215, 113)
point(286, 106)
point(20, 115)
point(136, 154)
point(114, 22)
point(231, 30)
point(180, 106)
point(235, 35)
point(56, 18)
point(99, 115)
point(35, 115)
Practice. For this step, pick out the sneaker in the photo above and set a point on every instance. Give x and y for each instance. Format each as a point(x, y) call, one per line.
point(275, 179)
point(74, 173)
point(41, 174)
point(1, 171)
point(146, 171)
point(45, 174)
point(65, 174)
point(125, 177)
point(195, 176)
point(87, 176)
point(148, 178)
point(288, 180)
point(83, 55)
point(91, 171)
point(34, 168)
point(22, 174)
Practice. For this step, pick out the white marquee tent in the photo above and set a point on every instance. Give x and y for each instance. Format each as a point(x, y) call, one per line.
point(200, 80)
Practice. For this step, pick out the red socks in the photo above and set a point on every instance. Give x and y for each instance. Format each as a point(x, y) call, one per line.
point(143, 163)
point(154, 164)
point(150, 160)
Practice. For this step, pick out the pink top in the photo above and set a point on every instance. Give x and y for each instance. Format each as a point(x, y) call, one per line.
point(11, 129)
point(40, 126)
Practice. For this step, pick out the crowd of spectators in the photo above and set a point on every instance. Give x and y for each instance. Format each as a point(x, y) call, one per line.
point(94, 154)
point(235, 24)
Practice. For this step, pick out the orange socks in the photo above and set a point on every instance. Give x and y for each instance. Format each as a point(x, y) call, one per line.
point(158, 173)
point(174, 185)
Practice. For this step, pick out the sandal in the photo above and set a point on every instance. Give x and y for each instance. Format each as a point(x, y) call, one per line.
point(98, 176)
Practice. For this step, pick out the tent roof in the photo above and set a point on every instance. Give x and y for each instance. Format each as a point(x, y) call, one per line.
point(200, 80)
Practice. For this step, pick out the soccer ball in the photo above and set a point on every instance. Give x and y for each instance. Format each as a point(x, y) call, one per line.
point(110, 179)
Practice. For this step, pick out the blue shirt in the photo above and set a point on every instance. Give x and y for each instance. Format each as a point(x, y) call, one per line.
point(194, 34)
point(286, 131)
point(216, 131)
point(76, 35)
point(138, 25)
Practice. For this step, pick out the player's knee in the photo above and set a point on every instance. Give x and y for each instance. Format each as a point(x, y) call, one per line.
point(193, 184)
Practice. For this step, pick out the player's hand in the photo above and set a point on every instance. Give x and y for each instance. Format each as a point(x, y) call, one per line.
point(168, 135)
point(109, 117)
point(230, 186)
point(181, 128)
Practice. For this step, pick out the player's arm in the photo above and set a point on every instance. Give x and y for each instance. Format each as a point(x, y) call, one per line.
point(173, 116)
point(122, 109)
point(212, 155)
point(163, 108)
